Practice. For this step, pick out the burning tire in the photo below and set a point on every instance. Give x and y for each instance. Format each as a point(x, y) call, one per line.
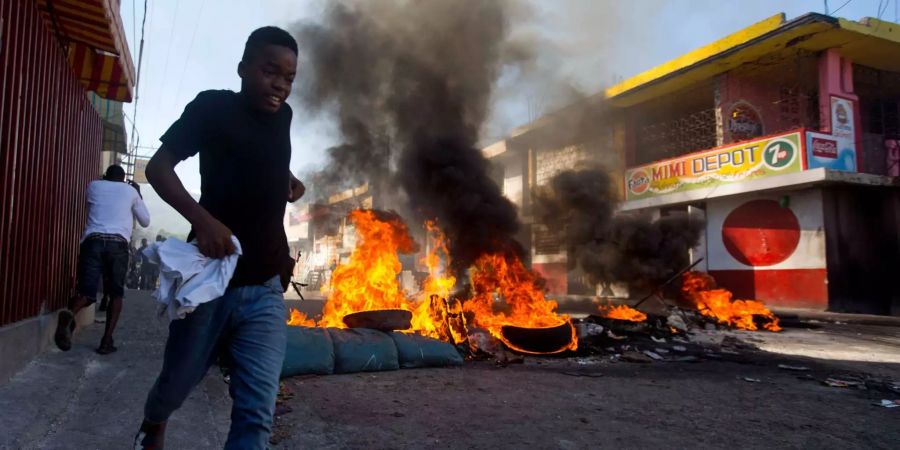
point(380, 319)
point(540, 341)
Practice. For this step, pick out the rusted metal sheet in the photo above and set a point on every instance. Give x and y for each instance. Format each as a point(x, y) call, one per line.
point(50, 141)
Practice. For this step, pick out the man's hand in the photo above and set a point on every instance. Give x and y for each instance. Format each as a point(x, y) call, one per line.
point(296, 189)
point(213, 238)
point(136, 187)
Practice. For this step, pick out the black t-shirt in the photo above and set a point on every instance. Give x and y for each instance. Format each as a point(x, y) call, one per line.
point(244, 175)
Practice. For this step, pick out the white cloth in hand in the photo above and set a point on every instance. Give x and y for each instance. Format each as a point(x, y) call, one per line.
point(187, 278)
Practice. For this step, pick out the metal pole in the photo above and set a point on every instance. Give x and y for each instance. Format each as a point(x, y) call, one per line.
point(671, 279)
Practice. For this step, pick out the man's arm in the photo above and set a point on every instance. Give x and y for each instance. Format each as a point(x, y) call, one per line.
point(213, 237)
point(296, 189)
point(139, 209)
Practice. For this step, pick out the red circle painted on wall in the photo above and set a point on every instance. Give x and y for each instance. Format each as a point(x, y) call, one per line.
point(761, 233)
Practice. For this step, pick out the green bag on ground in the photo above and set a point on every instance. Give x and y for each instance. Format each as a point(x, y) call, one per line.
point(416, 351)
point(309, 351)
point(363, 350)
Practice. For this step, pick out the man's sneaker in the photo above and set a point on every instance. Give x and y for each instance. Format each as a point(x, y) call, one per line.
point(65, 326)
point(151, 436)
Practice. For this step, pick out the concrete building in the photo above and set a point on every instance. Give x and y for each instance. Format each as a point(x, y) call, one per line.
point(54, 53)
point(783, 135)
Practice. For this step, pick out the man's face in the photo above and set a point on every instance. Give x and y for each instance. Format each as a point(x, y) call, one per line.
point(268, 76)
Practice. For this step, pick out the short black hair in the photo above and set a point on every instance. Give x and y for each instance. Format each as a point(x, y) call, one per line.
point(261, 37)
point(114, 172)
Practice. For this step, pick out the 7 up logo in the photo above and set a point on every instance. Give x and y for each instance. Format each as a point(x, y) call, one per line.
point(779, 154)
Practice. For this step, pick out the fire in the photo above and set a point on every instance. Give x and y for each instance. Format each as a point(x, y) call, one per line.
point(434, 316)
point(504, 277)
point(368, 280)
point(700, 288)
point(622, 312)
point(299, 319)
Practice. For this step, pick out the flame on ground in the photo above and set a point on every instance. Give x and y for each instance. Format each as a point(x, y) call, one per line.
point(369, 281)
point(522, 302)
point(434, 316)
point(700, 288)
point(299, 319)
point(622, 312)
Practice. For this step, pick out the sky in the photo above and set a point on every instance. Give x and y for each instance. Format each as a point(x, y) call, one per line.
point(195, 45)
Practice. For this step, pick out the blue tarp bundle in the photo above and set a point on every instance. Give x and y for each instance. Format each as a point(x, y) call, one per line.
point(416, 351)
point(322, 351)
point(309, 351)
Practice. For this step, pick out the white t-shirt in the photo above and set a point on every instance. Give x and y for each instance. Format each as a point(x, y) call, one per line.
point(112, 208)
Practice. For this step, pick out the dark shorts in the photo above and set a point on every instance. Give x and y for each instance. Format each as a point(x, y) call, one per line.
point(103, 258)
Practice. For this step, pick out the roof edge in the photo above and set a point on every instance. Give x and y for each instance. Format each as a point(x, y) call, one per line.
point(733, 42)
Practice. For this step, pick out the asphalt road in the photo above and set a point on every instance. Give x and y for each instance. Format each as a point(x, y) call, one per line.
point(83, 400)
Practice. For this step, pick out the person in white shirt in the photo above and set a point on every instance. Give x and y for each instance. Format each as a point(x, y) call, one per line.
point(113, 205)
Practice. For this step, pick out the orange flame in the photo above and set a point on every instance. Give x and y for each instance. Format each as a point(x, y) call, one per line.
point(433, 316)
point(504, 277)
point(622, 312)
point(368, 280)
point(700, 288)
point(299, 319)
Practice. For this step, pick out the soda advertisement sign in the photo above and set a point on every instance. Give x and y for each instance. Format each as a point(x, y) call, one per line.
point(769, 156)
point(836, 151)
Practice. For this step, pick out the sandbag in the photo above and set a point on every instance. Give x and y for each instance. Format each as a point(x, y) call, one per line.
point(309, 351)
point(416, 351)
point(363, 350)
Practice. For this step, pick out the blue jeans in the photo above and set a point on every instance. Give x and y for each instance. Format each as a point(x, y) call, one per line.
point(249, 324)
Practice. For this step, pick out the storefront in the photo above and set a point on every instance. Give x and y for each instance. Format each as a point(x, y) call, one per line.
point(797, 154)
point(784, 136)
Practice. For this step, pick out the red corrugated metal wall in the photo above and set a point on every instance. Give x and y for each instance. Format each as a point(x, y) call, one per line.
point(49, 150)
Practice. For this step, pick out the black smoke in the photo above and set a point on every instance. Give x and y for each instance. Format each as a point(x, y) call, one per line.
point(610, 247)
point(411, 82)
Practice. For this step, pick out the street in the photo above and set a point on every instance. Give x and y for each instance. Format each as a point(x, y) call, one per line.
point(82, 400)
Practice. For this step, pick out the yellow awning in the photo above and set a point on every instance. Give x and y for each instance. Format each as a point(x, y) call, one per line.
point(871, 42)
point(93, 35)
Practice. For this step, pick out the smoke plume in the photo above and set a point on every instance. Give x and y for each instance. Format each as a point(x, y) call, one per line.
point(609, 247)
point(411, 83)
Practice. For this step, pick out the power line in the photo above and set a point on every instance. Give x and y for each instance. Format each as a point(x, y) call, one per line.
point(133, 22)
point(882, 7)
point(137, 85)
point(190, 48)
point(841, 7)
point(168, 52)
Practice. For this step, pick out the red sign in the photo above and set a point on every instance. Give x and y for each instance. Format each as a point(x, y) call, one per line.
point(824, 148)
point(638, 182)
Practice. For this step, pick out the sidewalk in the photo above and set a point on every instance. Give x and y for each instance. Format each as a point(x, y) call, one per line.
point(79, 399)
